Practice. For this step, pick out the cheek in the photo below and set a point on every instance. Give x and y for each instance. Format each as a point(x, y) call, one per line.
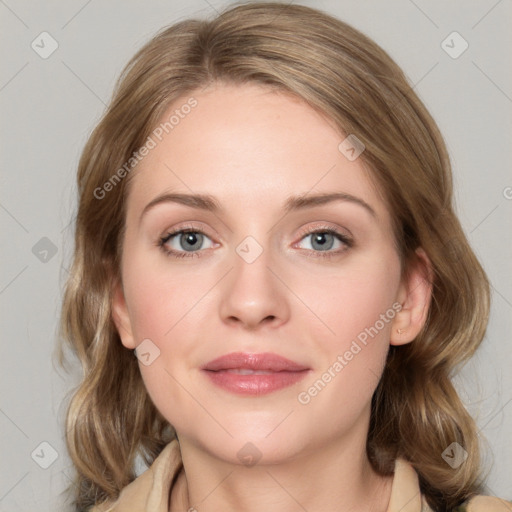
point(357, 309)
point(169, 309)
point(165, 309)
point(159, 300)
point(353, 299)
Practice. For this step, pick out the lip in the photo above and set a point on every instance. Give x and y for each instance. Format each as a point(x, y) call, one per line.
point(254, 374)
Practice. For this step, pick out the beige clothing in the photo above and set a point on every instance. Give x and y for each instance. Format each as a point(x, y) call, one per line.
point(150, 491)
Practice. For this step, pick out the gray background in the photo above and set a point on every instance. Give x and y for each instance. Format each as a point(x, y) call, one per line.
point(49, 106)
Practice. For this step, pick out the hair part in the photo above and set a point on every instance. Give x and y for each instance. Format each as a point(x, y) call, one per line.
point(416, 412)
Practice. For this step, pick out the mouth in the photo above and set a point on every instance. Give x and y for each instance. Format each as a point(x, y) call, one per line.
point(254, 374)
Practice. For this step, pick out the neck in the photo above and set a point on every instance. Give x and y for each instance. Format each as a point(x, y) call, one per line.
point(337, 477)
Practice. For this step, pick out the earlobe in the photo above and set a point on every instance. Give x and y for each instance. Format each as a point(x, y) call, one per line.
point(414, 295)
point(121, 318)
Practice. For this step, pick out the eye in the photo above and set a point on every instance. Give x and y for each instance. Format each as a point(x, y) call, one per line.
point(189, 242)
point(326, 240)
point(184, 243)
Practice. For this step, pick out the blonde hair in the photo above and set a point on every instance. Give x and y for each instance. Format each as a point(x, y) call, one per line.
point(416, 412)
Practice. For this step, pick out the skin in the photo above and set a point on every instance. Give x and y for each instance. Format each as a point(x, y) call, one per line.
point(252, 148)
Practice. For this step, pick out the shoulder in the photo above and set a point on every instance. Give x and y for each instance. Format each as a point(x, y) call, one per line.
point(485, 504)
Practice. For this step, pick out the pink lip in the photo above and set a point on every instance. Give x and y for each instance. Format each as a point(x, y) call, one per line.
point(273, 372)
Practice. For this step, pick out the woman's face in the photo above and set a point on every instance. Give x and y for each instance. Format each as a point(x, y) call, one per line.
point(251, 279)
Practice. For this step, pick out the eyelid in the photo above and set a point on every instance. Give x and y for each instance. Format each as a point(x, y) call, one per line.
point(187, 226)
point(326, 226)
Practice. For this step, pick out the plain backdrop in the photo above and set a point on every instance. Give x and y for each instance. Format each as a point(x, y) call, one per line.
point(49, 106)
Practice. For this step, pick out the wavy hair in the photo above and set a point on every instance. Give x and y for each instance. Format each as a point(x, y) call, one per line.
point(416, 412)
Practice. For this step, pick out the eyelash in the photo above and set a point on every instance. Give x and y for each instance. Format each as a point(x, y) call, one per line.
point(195, 254)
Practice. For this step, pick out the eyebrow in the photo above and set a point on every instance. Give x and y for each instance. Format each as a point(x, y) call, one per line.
point(294, 203)
point(308, 201)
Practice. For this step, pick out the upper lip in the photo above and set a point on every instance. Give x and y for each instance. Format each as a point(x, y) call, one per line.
point(265, 361)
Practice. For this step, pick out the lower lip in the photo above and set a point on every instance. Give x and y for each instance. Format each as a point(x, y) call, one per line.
point(255, 384)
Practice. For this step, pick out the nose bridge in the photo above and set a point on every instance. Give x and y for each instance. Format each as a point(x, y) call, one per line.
point(251, 293)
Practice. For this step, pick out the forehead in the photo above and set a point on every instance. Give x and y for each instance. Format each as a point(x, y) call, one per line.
point(250, 146)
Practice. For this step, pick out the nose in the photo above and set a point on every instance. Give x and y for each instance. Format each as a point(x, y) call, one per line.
point(252, 295)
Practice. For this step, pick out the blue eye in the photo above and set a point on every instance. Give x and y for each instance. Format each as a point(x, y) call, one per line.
point(327, 241)
point(322, 240)
point(184, 241)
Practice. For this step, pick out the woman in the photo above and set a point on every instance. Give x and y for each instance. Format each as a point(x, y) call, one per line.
point(265, 221)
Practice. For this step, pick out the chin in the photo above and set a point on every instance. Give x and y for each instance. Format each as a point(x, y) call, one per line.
point(253, 444)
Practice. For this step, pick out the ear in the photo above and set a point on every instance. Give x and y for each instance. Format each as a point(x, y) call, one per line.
point(121, 317)
point(414, 295)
